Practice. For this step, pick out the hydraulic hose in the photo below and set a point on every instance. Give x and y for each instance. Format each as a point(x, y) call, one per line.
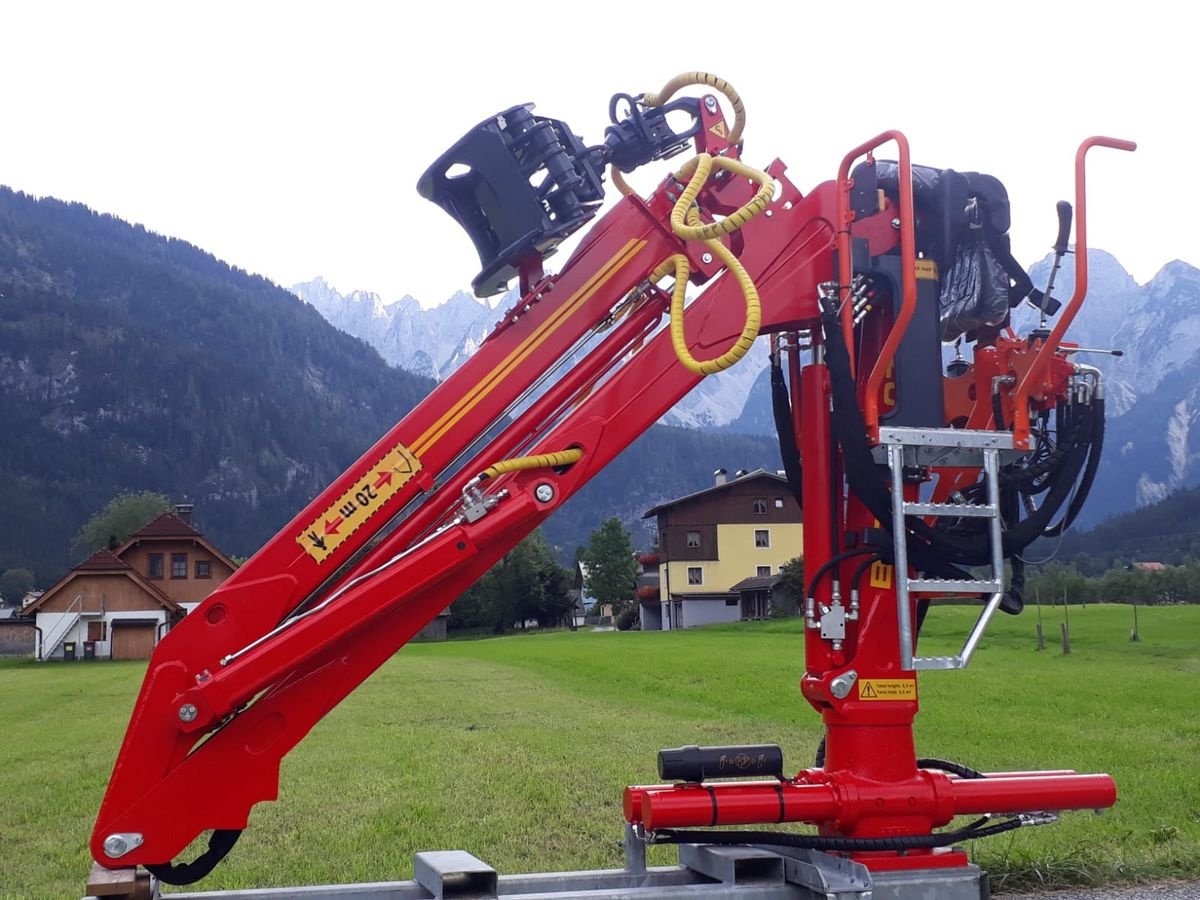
point(1089, 472)
point(832, 843)
point(541, 461)
point(707, 79)
point(698, 170)
point(679, 265)
point(781, 412)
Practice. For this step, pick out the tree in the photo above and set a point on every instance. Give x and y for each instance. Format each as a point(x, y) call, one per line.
point(791, 583)
point(611, 567)
point(527, 583)
point(121, 517)
point(15, 584)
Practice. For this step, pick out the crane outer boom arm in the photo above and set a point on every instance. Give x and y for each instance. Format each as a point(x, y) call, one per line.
point(243, 678)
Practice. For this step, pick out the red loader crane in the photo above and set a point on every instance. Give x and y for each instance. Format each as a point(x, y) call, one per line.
point(917, 481)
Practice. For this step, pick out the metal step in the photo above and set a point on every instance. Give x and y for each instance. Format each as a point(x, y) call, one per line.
point(899, 444)
point(953, 510)
point(955, 585)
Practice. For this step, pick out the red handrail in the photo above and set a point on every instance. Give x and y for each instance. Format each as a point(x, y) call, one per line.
point(908, 267)
point(1042, 361)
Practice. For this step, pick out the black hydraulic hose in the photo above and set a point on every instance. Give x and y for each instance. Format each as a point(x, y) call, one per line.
point(220, 842)
point(861, 470)
point(861, 569)
point(834, 560)
point(933, 548)
point(831, 843)
point(785, 429)
point(1089, 472)
point(946, 765)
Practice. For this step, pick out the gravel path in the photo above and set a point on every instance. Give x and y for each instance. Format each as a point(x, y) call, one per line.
point(1144, 892)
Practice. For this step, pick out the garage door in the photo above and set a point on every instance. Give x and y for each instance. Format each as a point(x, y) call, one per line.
point(132, 641)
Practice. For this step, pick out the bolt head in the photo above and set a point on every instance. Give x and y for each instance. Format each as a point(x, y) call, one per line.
point(896, 224)
point(544, 493)
point(188, 712)
point(115, 845)
point(710, 103)
point(706, 258)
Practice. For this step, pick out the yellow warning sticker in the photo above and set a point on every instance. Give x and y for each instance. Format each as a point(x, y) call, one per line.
point(887, 689)
point(718, 129)
point(360, 501)
point(881, 575)
point(927, 269)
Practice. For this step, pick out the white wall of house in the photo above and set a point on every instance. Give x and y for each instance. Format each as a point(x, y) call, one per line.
point(52, 625)
point(708, 612)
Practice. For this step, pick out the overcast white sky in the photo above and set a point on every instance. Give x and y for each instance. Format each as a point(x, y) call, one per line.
point(287, 138)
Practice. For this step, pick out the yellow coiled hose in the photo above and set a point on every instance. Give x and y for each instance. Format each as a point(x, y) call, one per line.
point(541, 461)
point(685, 222)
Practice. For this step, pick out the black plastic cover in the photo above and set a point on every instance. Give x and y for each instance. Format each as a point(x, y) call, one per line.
point(974, 290)
point(695, 764)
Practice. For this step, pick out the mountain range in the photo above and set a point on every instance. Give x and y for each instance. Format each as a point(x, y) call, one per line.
point(1153, 390)
point(130, 361)
point(435, 341)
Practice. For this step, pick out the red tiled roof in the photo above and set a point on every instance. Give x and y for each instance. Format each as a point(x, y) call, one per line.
point(168, 525)
point(102, 561)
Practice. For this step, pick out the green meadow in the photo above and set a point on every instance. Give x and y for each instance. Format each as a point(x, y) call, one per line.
point(517, 748)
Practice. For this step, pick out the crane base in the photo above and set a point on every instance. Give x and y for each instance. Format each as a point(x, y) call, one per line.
point(705, 871)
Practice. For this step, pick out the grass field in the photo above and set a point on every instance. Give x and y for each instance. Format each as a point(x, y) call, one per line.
point(517, 748)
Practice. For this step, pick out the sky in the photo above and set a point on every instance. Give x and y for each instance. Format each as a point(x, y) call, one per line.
point(287, 138)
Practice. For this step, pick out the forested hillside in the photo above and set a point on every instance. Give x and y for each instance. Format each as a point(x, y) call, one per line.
point(1167, 532)
point(131, 361)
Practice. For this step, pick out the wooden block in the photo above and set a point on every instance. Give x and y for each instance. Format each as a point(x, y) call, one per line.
point(127, 884)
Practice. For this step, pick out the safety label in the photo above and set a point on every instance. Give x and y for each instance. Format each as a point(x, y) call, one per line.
point(887, 689)
point(881, 575)
point(718, 129)
point(360, 501)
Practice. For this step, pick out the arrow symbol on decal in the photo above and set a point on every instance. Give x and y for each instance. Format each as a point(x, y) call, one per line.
point(332, 525)
point(385, 477)
point(317, 540)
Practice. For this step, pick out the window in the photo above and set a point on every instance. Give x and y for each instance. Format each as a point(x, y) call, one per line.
point(154, 567)
point(732, 601)
point(762, 537)
point(764, 571)
point(695, 575)
point(96, 631)
point(760, 506)
point(179, 565)
point(204, 568)
point(693, 539)
point(779, 503)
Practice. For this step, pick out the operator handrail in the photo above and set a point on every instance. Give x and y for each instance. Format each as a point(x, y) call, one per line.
point(1050, 345)
point(907, 266)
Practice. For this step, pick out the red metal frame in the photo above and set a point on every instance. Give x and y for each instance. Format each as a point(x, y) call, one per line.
point(229, 692)
point(1042, 363)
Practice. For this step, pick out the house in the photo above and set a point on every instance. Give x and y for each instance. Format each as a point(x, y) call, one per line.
point(711, 541)
point(1147, 567)
point(118, 604)
point(17, 636)
point(648, 589)
point(760, 597)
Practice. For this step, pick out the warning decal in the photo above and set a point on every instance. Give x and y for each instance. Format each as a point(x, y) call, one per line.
point(718, 129)
point(881, 575)
point(887, 689)
point(360, 501)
